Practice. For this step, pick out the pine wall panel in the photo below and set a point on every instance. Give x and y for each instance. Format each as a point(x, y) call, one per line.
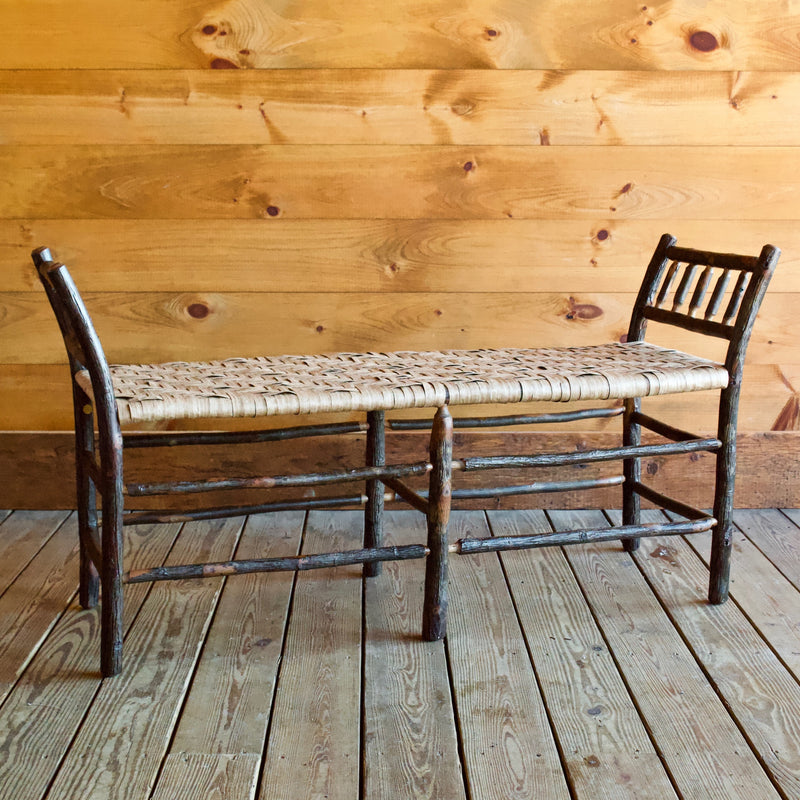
point(255, 176)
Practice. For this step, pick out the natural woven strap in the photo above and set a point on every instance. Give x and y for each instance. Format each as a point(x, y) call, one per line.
point(253, 387)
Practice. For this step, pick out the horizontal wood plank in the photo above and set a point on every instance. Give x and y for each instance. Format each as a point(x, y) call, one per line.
point(199, 776)
point(598, 255)
point(380, 106)
point(40, 468)
point(151, 327)
point(604, 35)
point(398, 182)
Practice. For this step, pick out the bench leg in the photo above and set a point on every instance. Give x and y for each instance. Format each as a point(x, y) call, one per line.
point(111, 573)
point(87, 498)
point(373, 511)
point(632, 470)
point(722, 532)
point(435, 609)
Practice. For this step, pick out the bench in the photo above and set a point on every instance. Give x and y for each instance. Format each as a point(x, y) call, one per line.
point(674, 290)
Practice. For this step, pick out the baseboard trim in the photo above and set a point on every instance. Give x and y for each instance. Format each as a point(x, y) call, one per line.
point(36, 469)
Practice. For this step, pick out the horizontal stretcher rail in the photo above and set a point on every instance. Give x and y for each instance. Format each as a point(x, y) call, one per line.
point(711, 259)
point(705, 326)
point(499, 543)
point(586, 456)
point(220, 512)
point(280, 481)
point(418, 500)
point(661, 428)
point(421, 498)
point(514, 419)
point(668, 503)
point(286, 564)
point(171, 439)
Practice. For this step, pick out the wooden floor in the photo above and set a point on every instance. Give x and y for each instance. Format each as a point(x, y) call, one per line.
point(567, 673)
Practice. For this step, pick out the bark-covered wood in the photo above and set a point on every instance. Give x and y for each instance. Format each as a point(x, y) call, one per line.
point(661, 428)
point(418, 500)
point(279, 481)
point(285, 564)
point(511, 419)
point(669, 503)
point(373, 511)
point(150, 517)
point(624, 532)
point(434, 619)
point(471, 464)
point(720, 563)
point(172, 439)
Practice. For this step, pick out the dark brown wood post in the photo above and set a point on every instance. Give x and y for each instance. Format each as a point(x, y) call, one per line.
point(86, 494)
point(434, 615)
point(111, 573)
point(373, 511)
point(632, 471)
point(631, 431)
point(722, 532)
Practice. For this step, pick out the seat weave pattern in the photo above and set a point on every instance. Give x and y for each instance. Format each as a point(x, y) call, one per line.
point(265, 386)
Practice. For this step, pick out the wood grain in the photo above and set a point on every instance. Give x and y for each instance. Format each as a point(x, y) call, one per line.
point(594, 719)
point(701, 745)
point(314, 741)
point(341, 255)
point(59, 684)
point(198, 326)
point(199, 776)
point(227, 710)
point(22, 536)
point(759, 692)
point(407, 702)
point(398, 182)
point(126, 730)
point(380, 106)
point(39, 594)
point(509, 750)
point(605, 35)
point(776, 537)
point(40, 467)
point(765, 596)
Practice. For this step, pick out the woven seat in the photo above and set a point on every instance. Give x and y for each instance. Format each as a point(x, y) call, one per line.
point(255, 387)
point(673, 293)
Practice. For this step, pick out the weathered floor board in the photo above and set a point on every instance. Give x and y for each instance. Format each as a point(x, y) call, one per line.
point(604, 744)
point(581, 672)
point(410, 747)
point(760, 693)
point(699, 742)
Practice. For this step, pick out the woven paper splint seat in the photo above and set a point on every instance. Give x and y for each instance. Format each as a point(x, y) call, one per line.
point(257, 387)
point(674, 291)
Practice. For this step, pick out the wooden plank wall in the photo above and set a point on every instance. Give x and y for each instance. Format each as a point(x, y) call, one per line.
point(256, 176)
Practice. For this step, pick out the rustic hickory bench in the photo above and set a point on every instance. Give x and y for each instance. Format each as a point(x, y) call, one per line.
point(673, 292)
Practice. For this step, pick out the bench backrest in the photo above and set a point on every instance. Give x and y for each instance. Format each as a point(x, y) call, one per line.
point(686, 288)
